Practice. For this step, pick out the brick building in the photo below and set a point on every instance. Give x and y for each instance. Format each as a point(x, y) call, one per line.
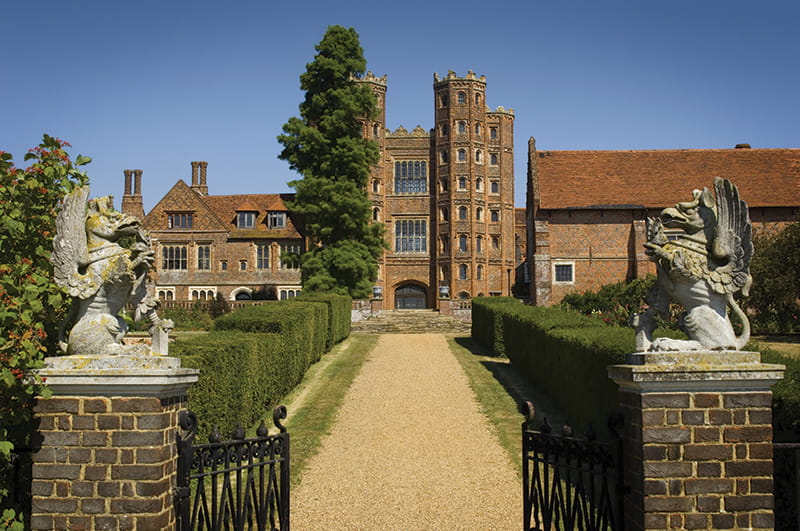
point(587, 209)
point(446, 197)
point(208, 244)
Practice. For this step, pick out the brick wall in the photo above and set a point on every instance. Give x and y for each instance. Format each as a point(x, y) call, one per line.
point(700, 460)
point(105, 463)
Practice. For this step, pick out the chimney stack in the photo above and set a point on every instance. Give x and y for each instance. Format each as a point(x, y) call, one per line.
point(200, 186)
point(194, 173)
point(137, 182)
point(132, 202)
point(127, 182)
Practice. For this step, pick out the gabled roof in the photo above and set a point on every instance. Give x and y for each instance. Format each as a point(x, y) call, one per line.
point(182, 198)
point(225, 207)
point(660, 178)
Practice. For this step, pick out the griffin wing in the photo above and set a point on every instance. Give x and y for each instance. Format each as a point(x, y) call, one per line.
point(732, 249)
point(70, 251)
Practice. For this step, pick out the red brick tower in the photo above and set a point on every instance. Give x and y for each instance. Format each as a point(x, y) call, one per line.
point(474, 189)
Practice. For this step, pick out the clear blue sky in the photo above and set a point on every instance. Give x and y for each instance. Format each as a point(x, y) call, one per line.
point(156, 84)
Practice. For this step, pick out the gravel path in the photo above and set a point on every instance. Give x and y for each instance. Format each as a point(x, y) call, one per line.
point(409, 450)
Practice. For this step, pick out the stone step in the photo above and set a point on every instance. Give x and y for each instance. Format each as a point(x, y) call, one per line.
point(411, 322)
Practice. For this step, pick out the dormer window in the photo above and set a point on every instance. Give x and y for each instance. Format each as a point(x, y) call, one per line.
point(179, 220)
point(245, 220)
point(277, 220)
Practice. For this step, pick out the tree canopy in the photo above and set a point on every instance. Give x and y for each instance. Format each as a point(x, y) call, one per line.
point(325, 145)
point(775, 292)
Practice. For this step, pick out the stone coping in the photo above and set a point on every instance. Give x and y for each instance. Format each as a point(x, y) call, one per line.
point(96, 375)
point(695, 371)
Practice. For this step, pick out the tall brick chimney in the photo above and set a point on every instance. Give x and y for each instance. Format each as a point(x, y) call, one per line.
point(132, 202)
point(200, 185)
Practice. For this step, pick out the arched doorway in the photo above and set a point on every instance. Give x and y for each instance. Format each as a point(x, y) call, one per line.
point(410, 297)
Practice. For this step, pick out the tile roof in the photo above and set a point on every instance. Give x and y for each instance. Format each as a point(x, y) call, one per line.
point(226, 206)
point(660, 178)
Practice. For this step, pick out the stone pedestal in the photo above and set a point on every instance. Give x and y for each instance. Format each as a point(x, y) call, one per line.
point(445, 308)
point(698, 439)
point(376, 306)
point(107, 457)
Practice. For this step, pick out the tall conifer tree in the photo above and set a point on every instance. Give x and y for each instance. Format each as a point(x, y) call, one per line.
point(325, 145)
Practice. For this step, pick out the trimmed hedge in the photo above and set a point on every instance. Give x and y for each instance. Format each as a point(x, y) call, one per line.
point(563, 353)
point(339, 314)
point(256, 355)
point(785, 395)
point(241, 375)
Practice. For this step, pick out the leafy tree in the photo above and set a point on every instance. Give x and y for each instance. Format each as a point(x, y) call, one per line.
point(775, 293)
point(31, 304)
point(326, 147)
point(218, 306)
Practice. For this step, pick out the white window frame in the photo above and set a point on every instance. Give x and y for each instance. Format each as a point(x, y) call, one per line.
point(165, 289)
point(212, 289)
point(571, 265)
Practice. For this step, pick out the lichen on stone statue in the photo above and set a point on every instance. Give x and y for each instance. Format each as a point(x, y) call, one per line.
point(102, 259)
point(701, 268)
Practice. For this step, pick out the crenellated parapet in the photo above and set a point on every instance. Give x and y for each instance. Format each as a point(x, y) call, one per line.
point(452, 76)
point(500, 110)
point(369, 77)
point(401, 131)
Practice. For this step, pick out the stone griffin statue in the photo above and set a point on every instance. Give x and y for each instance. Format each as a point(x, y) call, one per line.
point(700, 269)
point(102, 259)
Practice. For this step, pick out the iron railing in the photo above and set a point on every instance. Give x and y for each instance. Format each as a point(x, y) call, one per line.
point(570, 482)
point(241, 484)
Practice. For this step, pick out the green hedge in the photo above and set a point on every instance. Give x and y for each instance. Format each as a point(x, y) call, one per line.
point(339, 314)
point(256, 355)
point(785, 394)
point(563, 353)
point(241, 376)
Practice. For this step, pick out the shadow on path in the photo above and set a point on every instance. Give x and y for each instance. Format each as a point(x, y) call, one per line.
point(515, 384)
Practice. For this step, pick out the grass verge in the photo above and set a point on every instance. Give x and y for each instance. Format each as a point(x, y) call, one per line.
point(313, 405)
point(499, 390)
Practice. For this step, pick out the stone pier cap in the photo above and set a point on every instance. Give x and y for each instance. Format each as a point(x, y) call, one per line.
point(695, 370)
point(124, 375)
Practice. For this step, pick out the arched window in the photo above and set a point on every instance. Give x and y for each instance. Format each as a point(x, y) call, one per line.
point(444, 157)
point(479, 244)
point(495, 216)
point(443, 244)
point(443, 184)
point(462, 98)
point(376, 130)
point(493, 159)
point(479, 273)
point(477, 99)
point(478, 214)
point(478, 184)
point(462, 272)
point(462, 213)
point(462, 243)
point(462, 155)
point(445, 213)
point(444, 100)
point(194, 295)
point(478, 129)
point(444, 272)
point(376, 186)
point(462, 127)
point(462, 183)
point(478, 155)
point(443, 129)
point(493, 133)
point(376, 214)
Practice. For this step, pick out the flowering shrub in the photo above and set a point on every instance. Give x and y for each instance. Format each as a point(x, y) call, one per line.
point(31, 305)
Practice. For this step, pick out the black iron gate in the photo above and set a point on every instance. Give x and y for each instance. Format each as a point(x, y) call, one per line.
point(786, 466)
point(233, 485)
point(570, 483)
